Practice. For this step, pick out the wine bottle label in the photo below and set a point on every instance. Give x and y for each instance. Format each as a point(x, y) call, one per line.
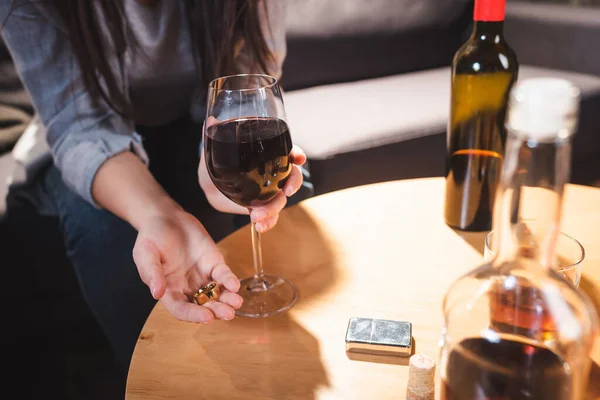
point(489, 10)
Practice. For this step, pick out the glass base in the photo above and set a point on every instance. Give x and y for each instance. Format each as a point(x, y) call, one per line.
point(271, 295)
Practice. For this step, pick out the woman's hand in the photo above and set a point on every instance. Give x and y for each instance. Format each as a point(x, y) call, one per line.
point(266, 216)
point(175, 256)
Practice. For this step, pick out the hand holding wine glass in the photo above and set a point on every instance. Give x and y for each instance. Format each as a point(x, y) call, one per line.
point(266, 216)
point(249, 159)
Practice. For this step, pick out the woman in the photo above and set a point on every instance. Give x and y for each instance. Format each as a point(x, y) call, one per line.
point(119, 87)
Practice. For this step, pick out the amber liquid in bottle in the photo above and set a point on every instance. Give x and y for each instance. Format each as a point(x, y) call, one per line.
point(483, 71)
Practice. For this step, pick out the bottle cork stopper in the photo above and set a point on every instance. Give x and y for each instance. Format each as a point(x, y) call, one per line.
point(421, 378)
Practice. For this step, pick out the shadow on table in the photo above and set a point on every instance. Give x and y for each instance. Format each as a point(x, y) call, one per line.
point(282, 359)
point(296, 249)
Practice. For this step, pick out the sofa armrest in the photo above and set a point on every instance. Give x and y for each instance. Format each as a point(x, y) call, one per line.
point(554, 36)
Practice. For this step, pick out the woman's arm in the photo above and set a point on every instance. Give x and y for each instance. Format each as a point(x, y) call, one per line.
point(81, 134)
point(173, 253)
point(124, 186)
point(101, 158)
point(94, 148)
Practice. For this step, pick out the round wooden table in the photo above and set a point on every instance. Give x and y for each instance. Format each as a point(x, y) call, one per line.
point(378, 251)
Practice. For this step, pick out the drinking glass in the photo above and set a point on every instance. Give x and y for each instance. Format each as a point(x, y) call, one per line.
point(569, 252)
point(247, 147)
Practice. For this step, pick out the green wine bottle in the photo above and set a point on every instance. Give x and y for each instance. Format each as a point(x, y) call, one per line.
point(484, 70)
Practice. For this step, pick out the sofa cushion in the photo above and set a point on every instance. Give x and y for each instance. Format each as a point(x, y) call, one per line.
point(341, 118)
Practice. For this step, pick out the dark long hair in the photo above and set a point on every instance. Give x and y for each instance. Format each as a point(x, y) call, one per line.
point(217, 29)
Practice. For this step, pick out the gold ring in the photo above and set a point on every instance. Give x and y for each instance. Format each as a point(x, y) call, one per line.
point(212, 291)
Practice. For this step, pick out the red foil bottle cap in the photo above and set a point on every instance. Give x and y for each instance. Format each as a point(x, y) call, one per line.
point(489, 10)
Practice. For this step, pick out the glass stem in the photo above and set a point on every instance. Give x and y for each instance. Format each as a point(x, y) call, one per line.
point(257, 251)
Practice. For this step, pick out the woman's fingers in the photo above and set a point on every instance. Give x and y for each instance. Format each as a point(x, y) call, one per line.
point(294, 182)
point(232, 299)
point(267, 224)
point(179, 306)
point(220, 310)
point(211, 121)
point(298, 155)
point(223, 275)
point(268, 211)
point(265, 217)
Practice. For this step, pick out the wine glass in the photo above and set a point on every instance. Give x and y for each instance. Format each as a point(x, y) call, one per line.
point(570, 254)
point(247, 147)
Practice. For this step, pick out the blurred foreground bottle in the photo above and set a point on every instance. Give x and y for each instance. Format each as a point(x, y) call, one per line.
point(483, 71)
point(514, 328)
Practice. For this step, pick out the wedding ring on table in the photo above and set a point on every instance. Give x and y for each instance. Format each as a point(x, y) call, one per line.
point(212, 291)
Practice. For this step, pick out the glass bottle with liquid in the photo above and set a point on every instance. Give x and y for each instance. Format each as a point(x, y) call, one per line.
point(484, 70)
point(514, 328)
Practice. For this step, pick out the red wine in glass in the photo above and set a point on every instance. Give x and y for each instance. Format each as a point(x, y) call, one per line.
point(247, 147)
point(248, 159)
